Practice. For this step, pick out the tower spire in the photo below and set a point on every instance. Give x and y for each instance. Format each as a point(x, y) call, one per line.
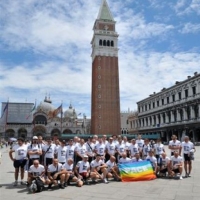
point(104, 12)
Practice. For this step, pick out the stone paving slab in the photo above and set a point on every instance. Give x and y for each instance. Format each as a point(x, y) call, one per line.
point(162, 189)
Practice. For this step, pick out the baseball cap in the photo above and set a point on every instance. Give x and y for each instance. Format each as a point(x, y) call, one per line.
point(85, 156)
point(35, 138)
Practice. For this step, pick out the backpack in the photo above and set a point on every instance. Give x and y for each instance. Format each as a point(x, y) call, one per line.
point(37, 185)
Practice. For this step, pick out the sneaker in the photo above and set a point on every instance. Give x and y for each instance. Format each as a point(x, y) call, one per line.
point(188, 175)
point(62, 186)
point(23, 183)
point(105, 181)
point(50, 185)
point(181, 178)
point(65, 184)
point(15, 183)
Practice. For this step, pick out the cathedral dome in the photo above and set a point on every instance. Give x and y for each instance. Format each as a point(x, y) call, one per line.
point(70, 113)
point(46, 106)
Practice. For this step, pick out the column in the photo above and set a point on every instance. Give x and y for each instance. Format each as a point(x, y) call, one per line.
point(166, 117)
point(185, 113)
point(161, 119)
point(192, 115)
point(172, 115)
point(178, 115)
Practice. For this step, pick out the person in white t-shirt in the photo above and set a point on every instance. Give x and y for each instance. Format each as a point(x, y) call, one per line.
point(133, 148)
point(55, 173)
point(174, 145)
point(110, 149)
point(70, 150)
point(61, 152)
point(98, 167)
point(146, 148)
point(112, 169)
point(152, 160)
point(137, 158)
point(124, 159)
point(120, 148)
point(188, 149)
point(127, 144)
point(80, 150)
point(68, 169)
point(82, 170)
point(163, 165)
point(90, 149)
point(158, 148)
point(20, 159)
point(37, 170)
point(100, 148)
point(176, 164)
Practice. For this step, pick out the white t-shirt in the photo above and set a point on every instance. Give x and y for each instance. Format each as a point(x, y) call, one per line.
point(81, 149)
point(70, 151)
point(52, 168)
point(187, 146)
point(36, 171)
point(140, 143)
point(62, 152)
point(20, 151)
point(164, 161)
point(100, 148)
point(125, 160)
point(177, 143)
point(34, 147)
point(159, 148)
point(152, 159)
point(110, 165)
point(111, 148)
point(133, 149)
point(67, 166)
point(121, 148)
point(146, 149)
point(51, 150)
point(126, 144)
point(83, 166)
point(176, 161)
point(94, 163)
point(135, 160)
point(90, 148)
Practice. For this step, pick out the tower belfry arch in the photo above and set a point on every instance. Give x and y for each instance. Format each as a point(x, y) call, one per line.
point(105, 74)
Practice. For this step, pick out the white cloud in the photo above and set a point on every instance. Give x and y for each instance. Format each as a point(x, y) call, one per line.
point(190, 28)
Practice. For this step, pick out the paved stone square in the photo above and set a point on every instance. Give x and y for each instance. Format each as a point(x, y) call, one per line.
point(164, 189)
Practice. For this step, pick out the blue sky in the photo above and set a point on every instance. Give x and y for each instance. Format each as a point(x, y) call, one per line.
point(45, 48)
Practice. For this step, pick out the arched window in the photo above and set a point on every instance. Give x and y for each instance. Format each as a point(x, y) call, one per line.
point(100, 42)
point(112, 44)
point(104, 43)
point(108, 43)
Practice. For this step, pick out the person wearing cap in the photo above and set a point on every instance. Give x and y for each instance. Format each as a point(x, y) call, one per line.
point(98, 167)
point(20, 159)
point(34, 151)
point(61, 152)
point(82, 170)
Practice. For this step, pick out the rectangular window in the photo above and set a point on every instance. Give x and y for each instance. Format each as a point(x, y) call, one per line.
point(186, 93)
point(153, 104)
point(157, 103)
point(145, 107)
point(149, 106)
point(173, 97)
point(162, 101)
point(193, 90)
point(179, 95)
point(167, 99)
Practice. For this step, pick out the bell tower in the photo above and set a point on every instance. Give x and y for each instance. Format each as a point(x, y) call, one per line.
point(105, 75)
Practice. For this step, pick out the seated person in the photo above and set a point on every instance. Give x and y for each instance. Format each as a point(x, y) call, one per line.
point(98, 167)
point(176, 164)
point(163, 165)
point(153, 160)
point(55, 173)
point(69, 173)
point(137, 158)
point(37, 170)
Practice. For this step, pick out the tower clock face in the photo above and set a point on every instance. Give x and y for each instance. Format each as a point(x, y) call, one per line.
point(106, 27)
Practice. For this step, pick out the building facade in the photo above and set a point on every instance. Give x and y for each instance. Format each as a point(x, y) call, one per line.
point(40, 122)
point(105, 109)
point(174, 110)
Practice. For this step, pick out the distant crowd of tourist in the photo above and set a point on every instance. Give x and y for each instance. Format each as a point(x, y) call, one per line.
point(58, 163)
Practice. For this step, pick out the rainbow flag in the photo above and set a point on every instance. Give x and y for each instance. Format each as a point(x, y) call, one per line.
point(136, 171)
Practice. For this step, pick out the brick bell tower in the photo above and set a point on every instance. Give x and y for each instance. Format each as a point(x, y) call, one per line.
point(105, 75)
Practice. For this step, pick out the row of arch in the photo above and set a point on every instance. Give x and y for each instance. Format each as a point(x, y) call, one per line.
point(107, 43)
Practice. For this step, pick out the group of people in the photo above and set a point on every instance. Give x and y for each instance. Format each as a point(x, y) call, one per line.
point(58, 163)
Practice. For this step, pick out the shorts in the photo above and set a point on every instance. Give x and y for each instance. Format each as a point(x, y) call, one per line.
point(163, 171)
point(176, 171)
point(186, 157)
point(49, 161)
point(83, 174)
point(19, 163)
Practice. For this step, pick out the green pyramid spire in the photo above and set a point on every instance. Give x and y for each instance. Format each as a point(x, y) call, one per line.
point(104, 12)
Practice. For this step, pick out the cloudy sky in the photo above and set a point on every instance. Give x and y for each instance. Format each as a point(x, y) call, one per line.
point(45, 48)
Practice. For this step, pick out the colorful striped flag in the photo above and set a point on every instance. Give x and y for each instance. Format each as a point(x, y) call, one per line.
point(136, 171)
point(55, 112)
point(5, 109)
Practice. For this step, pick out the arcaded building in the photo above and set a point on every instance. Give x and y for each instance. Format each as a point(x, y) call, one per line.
point(173, 110)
